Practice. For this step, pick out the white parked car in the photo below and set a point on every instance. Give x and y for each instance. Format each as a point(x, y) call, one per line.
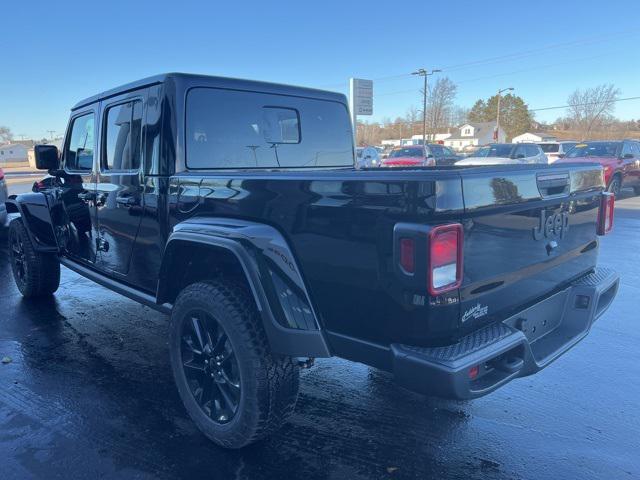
point(555, 150)
point(506, 153)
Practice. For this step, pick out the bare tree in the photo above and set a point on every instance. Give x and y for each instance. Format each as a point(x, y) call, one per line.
point(440, 105)
point(5, 134)
point(591, 106)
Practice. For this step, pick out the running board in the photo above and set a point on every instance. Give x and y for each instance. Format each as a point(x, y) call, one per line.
point(118, 287)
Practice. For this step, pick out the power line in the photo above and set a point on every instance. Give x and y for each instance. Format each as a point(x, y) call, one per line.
point(582, 104)
point(510, 56)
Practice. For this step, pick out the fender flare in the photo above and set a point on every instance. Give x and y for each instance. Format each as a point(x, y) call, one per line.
point(263, 254)
point(33, 208)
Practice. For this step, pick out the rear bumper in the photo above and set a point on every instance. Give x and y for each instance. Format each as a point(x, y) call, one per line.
point(521, 345)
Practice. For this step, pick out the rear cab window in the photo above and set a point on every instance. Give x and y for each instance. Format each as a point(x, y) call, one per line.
point(231, 129)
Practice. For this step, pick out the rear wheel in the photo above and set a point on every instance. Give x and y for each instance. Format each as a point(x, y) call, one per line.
point(36, 274)
point(233, 387)
point(615, 185)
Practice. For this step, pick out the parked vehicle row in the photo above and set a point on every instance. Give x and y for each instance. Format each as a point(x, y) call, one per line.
point(506, 153)
point(431, 155)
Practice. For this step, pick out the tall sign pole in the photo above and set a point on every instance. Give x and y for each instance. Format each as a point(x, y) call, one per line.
point(360, 101)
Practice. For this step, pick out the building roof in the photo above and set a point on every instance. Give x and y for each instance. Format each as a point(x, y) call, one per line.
point(7, 146)
point(212, 81)
point(478, 129)
point(25, 143)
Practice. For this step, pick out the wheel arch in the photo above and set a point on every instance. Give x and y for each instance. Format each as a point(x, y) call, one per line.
point(257, 256)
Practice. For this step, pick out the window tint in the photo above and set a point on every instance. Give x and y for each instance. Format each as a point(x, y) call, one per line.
point(550, 147)
point(79, 153)
point(626, 149)
point(567, 146)
point(437, 150)
point(531, 150)
point(594, 149)
point(234, 129)
point(635, 149)
point(123, 136)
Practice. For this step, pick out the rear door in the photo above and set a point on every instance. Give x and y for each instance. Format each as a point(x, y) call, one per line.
point(119, 185)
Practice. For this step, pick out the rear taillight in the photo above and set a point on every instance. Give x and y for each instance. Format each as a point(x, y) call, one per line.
point(605, 213)
point(407, 255)
point(445, 258)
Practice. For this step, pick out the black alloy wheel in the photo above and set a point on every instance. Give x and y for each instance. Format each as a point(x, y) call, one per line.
point(18, 261)
point(210, 366)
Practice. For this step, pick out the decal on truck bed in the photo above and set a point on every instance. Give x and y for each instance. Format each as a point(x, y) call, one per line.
point(475, 312)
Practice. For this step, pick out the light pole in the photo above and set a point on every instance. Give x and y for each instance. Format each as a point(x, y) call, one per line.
point(424, 73)
point(498, 114)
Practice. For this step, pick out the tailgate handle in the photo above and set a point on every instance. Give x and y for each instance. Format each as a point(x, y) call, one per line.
point(553, 184)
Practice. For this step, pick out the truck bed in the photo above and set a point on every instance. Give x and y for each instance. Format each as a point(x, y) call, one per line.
point(340, 226)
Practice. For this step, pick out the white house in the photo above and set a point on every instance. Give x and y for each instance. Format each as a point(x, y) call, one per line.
point(438, 137)
point(534, 137)
point(13, 153)
point(474, 134)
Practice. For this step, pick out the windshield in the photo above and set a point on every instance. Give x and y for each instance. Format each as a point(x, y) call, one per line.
point(406, 152)
point(498, 150)
point(550, 147)
point(594, 149)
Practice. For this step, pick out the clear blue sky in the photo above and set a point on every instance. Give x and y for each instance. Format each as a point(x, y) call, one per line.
point(55, 53)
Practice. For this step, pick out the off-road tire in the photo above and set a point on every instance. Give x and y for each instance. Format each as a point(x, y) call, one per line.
point(40, 271)
point(269, 383)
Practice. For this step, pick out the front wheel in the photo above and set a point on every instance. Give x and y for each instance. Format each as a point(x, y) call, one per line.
point(615, 186)
point(36, 274)
point(233, 387)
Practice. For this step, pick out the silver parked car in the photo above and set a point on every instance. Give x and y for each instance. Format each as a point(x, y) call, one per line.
point(3, 196)
point(556, 150)
point(506, 153)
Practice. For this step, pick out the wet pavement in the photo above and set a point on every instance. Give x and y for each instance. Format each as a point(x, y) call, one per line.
point(88, 394)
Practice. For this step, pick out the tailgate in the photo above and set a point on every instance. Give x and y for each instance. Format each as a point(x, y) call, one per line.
point(528, 231)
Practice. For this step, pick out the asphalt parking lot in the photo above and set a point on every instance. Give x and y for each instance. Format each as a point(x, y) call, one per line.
point(88, 394)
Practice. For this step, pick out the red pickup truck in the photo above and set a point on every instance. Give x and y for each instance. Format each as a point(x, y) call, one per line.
point(620, 160)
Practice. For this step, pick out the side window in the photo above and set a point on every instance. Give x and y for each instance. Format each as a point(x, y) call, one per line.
point(436, 150)
point(122, 136)
point(531, 150)
point(520, 152)
point(79, 152)
point(635, 149)
point(626, 149)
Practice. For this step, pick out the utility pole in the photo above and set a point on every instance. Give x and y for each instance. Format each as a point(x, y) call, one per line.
point(51, 132)
point(424, 73)
point(497, 135)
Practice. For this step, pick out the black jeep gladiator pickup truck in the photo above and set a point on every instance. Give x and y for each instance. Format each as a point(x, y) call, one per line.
point(234, 207)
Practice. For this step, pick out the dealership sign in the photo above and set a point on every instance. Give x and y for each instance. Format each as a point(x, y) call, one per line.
point(361, 96)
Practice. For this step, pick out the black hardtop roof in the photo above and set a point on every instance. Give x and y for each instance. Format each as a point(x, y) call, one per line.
point(214, 81)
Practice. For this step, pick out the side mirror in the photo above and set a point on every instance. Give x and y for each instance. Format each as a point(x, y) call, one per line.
point(518, 156)
point(561, 155)
point(47, 157)
point(627, 155)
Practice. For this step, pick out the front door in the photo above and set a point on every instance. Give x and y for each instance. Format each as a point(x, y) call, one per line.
point(78, 185)
point(119, 185)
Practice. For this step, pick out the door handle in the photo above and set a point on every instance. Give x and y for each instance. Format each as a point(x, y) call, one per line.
point(126, 201)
